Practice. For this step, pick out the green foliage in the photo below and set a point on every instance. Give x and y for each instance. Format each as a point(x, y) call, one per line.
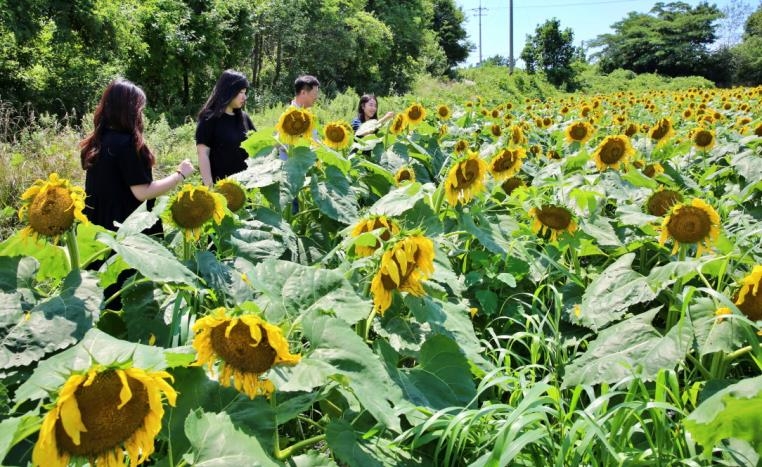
point(551, 51)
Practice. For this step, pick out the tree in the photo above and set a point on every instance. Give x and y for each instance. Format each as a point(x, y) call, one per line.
point(748, 54)
point(730, 27)
point(672, 40)
point(551, 51)
point(452, 37)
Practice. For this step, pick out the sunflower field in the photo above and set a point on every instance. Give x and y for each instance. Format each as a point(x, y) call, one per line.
point(575, 281)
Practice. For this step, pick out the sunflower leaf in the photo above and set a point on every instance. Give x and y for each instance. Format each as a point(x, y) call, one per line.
point(259, 142)
point(401, 199)
point(17, 272)
point(632, 347)
point(734, 412)
point(295, 169)
point(334, 196)
point(54, 264)
point(215, 442)
point(352, 449)
point(748, 165)
point(261, 172)
point(331, 158)
point(715, 334)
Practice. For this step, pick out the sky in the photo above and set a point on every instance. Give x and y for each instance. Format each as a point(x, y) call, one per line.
point(586, 18)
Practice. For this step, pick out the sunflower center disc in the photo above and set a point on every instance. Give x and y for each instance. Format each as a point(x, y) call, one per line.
point(689, 225)
point(52, 213)
point(612, 152)
point(555, 218)
point(191, 211)
point(240, 351)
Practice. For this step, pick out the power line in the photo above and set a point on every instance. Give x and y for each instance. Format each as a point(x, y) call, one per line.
point(480, 12)
point(561, 5)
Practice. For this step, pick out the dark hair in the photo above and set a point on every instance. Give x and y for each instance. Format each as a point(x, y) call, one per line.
point(306, 82)
point(120, 109)
point(228, 86)
point(361, 106)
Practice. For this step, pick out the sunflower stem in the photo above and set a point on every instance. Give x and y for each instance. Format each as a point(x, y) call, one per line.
point(289, 451)
point(71, 245)
point(369, 323)
point(439, 198)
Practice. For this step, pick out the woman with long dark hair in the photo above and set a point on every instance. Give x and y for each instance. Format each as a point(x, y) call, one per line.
point(222, 126)
point(367, 110)
point(117, 160)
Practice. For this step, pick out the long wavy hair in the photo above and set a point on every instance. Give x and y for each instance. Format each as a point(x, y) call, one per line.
point(229, 84)
point(361, 106)
point(121, 109)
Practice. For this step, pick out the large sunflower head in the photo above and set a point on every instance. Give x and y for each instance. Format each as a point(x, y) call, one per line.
point(511, 184)
point(612, 152)
point(661, 201)
point(518, 138)
point(579, 132)
point(403, 267)
point(686, 223)
point(337, 135)
point(553, 220)
point(703, 139)
point(415, 114)
point(50, 207)
point(294, 124)
point(443, 112)
point(661, 131)
point(103, 413)
point(507, 162)
point(192, 207)
point(242, 348)
point(405, 174)
point(465, 179)
point(233, 193)
point(399, 123)
point(389, 227)
point(749, 298)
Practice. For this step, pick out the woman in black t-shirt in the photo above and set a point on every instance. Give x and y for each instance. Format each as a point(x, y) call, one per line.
point(117, 160)
point(222, 126)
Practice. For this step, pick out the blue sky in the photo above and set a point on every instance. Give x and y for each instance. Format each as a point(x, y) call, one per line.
point(587, 18)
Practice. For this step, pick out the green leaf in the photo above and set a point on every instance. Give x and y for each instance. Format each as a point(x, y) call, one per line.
point(331, 158)
point(267, 235)
point(637, 178)
point(352, 449)
point(262, 172)
point(54, 262)
point(609, 296)
point(259, 142)
point(748, 164)
point(95, 347)
point(295, 169)
point(150, 258)
point(632, 347)
point(713, 333)
point(290, 290)
point(492, 232)
point(602, 231)
point(334, 196)
point(215, 442)
point(377, 169)
point(14, 429)
point(662, 277)
point(337, 352)
point(17, 272)
point(401, 199)
point(26, 336)
point(734, 412)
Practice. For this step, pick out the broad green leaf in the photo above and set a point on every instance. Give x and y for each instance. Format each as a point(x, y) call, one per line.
point(748, 164)
point(17, 272)
point(54, 262)
point(223, 277)
point(150, 258)
point(259, 142)
point(140, 219)
point(628, 214)
point(715, 333)
point(290, 290)
point(262, 172)
point(609, 296)
point(662, 277)
point(27, 335)
point(402, 334)
point(215, 442)
point(602, 231)
point(334, 196)
point(377, 169)
point(632, 347)
point(313, 459)
point(734, 412)
point(295, 169)
point(352, 449)
point(144, 315)
point(401, 199)
point(331, 158)
point(265, 236)
point(492, 232)
point(14, 429)
point(441, 379)
point(637, 178)
point(338, 353)
point(89, 247)
point(95, 347)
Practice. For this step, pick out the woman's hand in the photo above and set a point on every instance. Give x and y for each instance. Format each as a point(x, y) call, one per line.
point(185, 168)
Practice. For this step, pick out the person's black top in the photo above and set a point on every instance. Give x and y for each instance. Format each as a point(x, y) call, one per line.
point(223, 135)
point(107, 182)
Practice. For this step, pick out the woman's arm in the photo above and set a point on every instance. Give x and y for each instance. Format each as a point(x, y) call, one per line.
point(203, 164)
point(159, 187)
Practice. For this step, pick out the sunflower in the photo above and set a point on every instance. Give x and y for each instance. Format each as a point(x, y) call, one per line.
point(758, 129)
point(511, 184)
point(244, 346)
point(192, 207)
point(337, 135)
point(233, 193)
point(749, 299)
point(443, 112)
point(662, 201)
point(398, 124)
point(506, 163)
point(405, 174)
point(703, 139)
point(696, 222)
point(579, 132)
point(612, 152)
point(661, 131)
point(102, 413)
point(553, 219)
point(496, 130)
point(389, 227)
point(653, 170)
point(517, 135)
point(294, 124)
point(460, 147)
point(631, 129)
point(465, 179)
point(50, 207)
point(415, 114)
point(403, 267)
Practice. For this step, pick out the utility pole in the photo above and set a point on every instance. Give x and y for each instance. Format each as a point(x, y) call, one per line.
point(510, 37)
point(480, 12)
